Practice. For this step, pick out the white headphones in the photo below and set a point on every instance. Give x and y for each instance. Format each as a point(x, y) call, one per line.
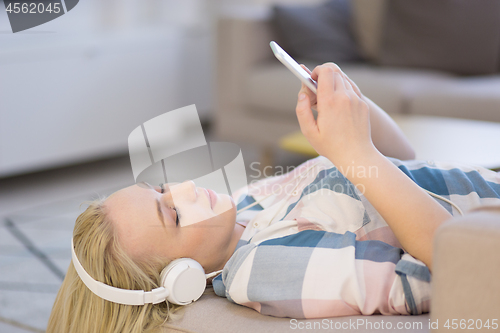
point(182, 282)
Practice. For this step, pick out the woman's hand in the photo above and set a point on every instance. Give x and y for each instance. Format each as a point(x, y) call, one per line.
point(386, 136)
point(341, 131)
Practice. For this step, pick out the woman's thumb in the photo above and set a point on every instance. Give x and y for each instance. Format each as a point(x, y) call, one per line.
point(304, 113)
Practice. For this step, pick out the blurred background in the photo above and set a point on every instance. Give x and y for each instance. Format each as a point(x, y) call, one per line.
point(73, 89)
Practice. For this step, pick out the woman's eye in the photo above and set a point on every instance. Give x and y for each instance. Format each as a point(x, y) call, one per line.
point(176, 216)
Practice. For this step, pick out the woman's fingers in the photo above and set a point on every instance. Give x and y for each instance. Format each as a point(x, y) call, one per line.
point(331, 65)
point(340, 84)
point(329, 77)
point(349, 84)
point(326, 80)
point(354, 87)
point(306, 69)
point(342, 128)
point(310, 93)
point(305, 116)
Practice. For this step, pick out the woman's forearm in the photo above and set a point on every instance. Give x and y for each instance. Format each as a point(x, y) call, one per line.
point(409, 211)
point(386, 135)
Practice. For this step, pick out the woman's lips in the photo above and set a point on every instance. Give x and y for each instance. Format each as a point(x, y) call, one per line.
point(213, 197)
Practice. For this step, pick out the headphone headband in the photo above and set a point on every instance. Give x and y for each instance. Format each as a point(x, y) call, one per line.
point(182, 282)
point(117, 295)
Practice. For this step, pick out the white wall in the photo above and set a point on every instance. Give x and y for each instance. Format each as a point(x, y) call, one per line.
point(72, 89)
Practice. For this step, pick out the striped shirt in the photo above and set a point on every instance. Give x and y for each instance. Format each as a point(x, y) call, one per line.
point(317, 248)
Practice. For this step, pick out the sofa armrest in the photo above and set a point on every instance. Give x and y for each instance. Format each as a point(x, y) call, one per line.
point(466, 270)
point(243, 38)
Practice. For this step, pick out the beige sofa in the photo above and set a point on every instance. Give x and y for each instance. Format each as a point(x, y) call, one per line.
point(466, 291)
point(256, 95)
point(466, 287)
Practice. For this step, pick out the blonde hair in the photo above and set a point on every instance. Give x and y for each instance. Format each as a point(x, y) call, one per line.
point(77, 309)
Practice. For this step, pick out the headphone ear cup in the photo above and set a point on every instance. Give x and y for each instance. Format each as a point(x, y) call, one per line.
point(184, 279)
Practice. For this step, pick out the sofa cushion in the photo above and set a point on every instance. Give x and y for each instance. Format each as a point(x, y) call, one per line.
point(458, 36)
point(272, 88)
point(320, 33)
point(212, 313)
point(367, 18)
point(471, 98)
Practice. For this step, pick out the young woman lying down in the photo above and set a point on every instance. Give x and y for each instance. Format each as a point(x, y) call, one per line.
point(349, 232)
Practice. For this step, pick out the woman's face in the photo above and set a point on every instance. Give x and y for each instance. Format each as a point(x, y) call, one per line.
point(147, 223)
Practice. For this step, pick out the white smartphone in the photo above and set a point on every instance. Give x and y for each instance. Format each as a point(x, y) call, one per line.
point(293, 66)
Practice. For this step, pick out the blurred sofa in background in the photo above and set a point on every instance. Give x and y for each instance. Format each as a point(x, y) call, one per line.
point(410, 57)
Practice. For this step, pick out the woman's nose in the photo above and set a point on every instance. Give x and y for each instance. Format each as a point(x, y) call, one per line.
point(185, 190)
point(187, 187)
